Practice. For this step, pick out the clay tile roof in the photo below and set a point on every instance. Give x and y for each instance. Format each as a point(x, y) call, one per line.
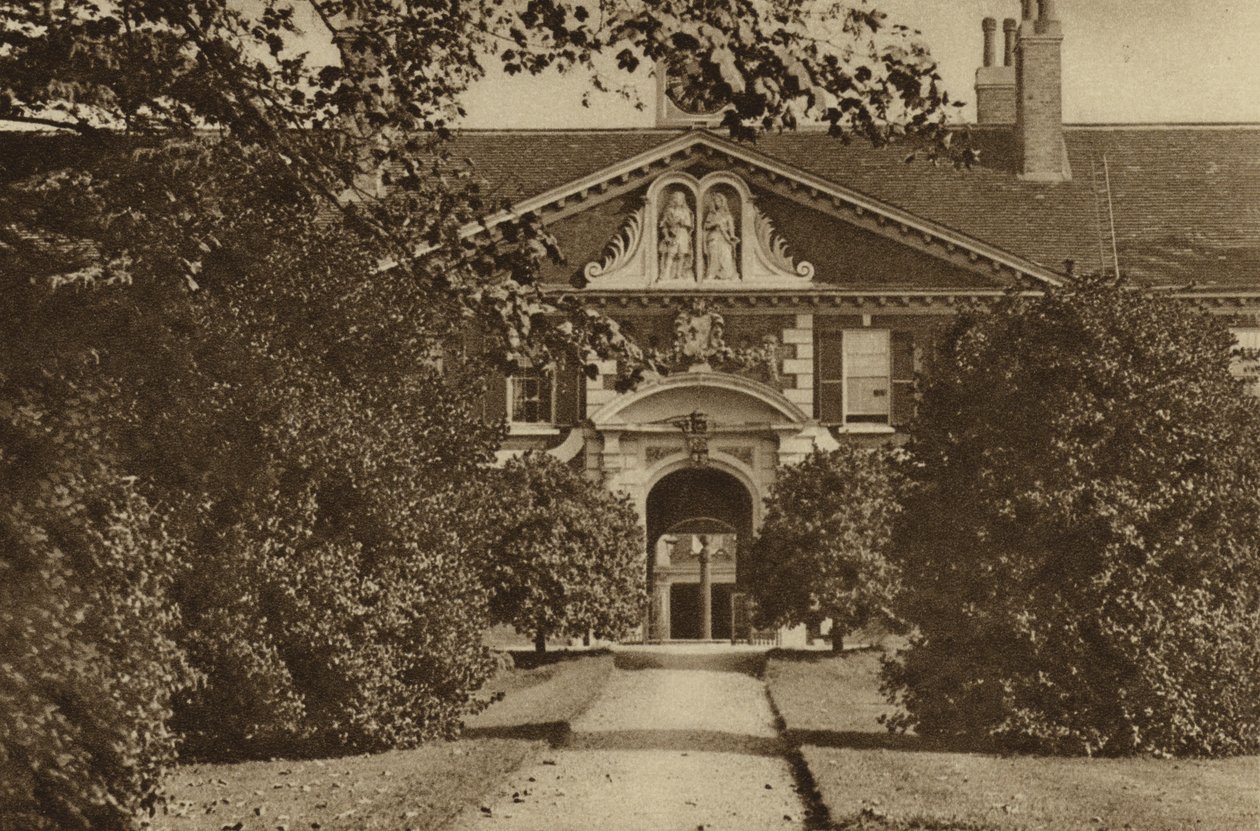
point(1186, 199)
point(520, 164)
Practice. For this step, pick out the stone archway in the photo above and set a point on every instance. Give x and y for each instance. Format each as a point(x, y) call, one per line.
point(695, 519)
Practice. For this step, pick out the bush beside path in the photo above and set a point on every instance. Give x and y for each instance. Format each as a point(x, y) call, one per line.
point(870, 779)
point(420, 789)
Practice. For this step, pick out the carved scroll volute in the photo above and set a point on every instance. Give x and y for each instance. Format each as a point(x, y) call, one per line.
point(622, 253)
point(693, 233)
point(772, 253)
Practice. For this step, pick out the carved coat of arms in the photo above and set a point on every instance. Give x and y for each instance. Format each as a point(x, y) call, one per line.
point(698, 335)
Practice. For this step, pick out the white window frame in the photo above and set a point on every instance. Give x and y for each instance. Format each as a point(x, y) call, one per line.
point(1246, 337)
point(544, 426)
point(847, 338)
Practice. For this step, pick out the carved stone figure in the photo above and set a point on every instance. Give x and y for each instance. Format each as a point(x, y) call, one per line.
point(719, 241)
point(675, 244)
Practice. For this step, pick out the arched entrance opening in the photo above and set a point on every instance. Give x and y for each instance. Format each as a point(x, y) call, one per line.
point(695, 520)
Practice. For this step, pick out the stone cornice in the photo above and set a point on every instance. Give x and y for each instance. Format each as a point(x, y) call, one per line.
point(789, 300)
point(1215, 298)
point(854, 207)
point(864, 300)
point(858, 208)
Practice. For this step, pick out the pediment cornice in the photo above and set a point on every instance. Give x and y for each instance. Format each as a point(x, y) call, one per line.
point(800, 186)
point(849, 205)
point(882, 300)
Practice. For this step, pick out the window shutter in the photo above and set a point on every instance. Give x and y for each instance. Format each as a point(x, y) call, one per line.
point(570, 387)
point(903, 361)
point(495, 397)
point(829, 380)
point(451, 356)
point(494, 393)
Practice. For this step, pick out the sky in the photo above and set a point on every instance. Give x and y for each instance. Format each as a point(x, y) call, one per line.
point(1123, 61)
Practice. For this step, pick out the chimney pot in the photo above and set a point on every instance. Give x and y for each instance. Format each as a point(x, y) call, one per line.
point(1029, 9)
point(989, 26)
point(1048, 20)
point(995, 83)
point(1009, 27)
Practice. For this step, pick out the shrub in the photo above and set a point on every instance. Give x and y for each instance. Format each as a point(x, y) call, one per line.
point(822, 551)
point(88, 665)
point(316, 646)
point(315, 460)
point(566, 556)
point(343, 610)
point(1081, 545)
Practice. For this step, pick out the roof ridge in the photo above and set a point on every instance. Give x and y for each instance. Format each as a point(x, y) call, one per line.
point(547, 130)
point(1166, 125)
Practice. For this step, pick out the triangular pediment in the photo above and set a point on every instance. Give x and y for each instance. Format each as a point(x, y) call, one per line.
point(690, 231)
point(701, 212)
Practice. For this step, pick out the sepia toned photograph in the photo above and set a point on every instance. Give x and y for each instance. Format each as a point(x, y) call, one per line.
point(629, 415)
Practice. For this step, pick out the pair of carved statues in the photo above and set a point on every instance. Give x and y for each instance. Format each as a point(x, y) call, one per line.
point(719, 240)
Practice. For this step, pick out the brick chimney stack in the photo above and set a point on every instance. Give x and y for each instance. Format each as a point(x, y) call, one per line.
point(995, 85)
point(1039, 99)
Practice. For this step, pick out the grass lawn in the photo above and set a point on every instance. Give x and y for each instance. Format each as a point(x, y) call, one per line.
point(407, 789)
point(869, 779)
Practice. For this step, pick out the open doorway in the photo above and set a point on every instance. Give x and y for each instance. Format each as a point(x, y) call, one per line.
point(695, 520)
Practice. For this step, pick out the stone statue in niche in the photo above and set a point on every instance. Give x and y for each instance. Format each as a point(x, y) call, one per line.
point(675, 246)
point(719, 241)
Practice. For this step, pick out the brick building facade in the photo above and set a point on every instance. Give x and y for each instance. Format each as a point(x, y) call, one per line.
point(828, 269)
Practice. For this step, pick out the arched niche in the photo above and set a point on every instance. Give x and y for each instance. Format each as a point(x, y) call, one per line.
point(697, 232)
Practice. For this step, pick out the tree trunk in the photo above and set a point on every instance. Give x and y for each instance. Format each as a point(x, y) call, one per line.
point(837, 639)
point(540, 643)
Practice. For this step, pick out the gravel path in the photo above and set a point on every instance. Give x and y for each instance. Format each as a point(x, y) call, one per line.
point(677, 741)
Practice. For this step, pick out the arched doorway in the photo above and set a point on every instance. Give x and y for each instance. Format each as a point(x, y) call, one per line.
point(695, 520)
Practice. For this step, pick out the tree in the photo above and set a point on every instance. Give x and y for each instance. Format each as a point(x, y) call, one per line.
point(364, 135)
point(233, 264)
point(565, 557)
point(333, 482)
point(293, 430)
point(89, 660)
point(823, 549)
point(1081, 546)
